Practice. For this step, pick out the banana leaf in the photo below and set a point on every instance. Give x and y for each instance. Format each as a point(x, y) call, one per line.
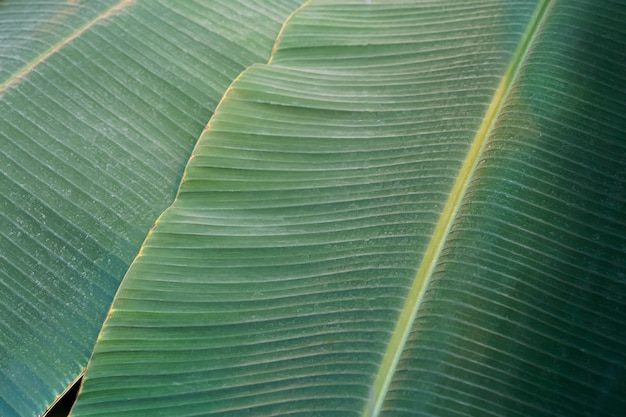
point(101, 104)
point(413, 208)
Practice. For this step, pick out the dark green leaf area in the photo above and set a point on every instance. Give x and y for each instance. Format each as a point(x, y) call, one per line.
point(526, 314)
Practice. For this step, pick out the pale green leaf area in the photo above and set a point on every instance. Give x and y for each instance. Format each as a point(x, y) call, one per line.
point(407, 208)
point(28, 31)
point(101, 105)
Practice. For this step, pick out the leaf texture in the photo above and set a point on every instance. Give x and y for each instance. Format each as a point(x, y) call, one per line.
point(273, 284)
point(525, 314)
point(29, 32)
point(416, 208)
point(101, 105)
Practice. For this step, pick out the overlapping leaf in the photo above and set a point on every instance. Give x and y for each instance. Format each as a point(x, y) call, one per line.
point(275, 282)
point(101, 104)
point(448, 172)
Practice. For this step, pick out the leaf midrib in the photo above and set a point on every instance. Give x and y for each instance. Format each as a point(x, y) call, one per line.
point(416, 293)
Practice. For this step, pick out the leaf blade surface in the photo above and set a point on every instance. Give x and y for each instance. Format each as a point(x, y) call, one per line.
point(525, 312)
point(101, 106)
point(298, 216)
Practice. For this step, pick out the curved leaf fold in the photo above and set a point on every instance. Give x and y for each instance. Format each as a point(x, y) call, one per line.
point(101, 104)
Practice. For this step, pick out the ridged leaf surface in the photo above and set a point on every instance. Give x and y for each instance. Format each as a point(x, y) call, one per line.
point(415, 208)
point(101, 104)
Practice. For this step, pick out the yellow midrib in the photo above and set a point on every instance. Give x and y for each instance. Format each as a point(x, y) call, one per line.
point(57, 46)
point(420, 283)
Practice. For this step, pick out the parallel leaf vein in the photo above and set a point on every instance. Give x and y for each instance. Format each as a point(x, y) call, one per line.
point(420, 283)
point(56, 47)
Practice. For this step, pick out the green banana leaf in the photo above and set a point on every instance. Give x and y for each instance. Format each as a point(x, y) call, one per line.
point(101, 104)
point(414, 208)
